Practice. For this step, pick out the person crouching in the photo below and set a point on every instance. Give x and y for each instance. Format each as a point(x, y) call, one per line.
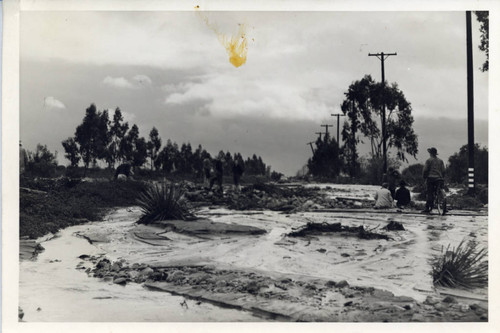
point(403, 197)
point(383, 198)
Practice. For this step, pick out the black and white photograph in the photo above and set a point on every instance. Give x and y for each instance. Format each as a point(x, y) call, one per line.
point(211, 164)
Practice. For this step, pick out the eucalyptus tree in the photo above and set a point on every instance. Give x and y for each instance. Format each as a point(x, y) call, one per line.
point(362, 105)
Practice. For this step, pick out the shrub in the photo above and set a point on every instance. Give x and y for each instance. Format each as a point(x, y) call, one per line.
point(413, 174)
point(463, 267)
point(463, 201)
point(41, 162)
point(162, 202)
point(459, 162)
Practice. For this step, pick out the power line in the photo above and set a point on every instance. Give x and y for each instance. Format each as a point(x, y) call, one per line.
point(326, 131)
point(382, 56)
point(310, 144)
point(338, 115)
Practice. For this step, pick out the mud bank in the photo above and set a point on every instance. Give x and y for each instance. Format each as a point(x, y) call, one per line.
point(285, 297)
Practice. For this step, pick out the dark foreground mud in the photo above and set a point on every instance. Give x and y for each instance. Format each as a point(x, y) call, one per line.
point(283, 298)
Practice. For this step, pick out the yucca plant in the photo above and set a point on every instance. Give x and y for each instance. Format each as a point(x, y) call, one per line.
point(162, 202)
point(464, 267)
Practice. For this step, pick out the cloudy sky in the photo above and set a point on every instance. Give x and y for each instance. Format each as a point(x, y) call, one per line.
point(169, 70)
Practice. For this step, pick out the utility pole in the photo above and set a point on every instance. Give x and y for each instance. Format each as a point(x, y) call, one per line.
point(326, 131)
point(470, 102)
point(382, 56)
point(319, 133)
point(310, 144)
point(338, 122)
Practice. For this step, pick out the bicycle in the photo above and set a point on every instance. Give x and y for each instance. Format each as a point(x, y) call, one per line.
point(440, 199)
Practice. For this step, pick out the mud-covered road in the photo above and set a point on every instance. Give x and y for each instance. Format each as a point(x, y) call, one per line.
point(231, 271)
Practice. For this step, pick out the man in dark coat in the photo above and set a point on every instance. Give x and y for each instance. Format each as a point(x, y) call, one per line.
point(237, 173)
point(219, 173)
point(403, 197)
point(207, 166)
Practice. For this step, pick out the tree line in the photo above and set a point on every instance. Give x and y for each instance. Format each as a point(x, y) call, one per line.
point(98, 138)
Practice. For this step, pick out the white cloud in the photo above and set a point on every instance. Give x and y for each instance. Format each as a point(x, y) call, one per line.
point(142, 79)
point(118, 82)
point(274, 94)
point(299, 63)
point(53, 103)
point(137, 82)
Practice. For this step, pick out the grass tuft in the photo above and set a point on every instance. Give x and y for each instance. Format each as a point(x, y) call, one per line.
point(465, 267)
point(163, 202)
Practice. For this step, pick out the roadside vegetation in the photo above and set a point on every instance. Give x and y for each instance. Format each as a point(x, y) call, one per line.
point(48, 205)
point(464, 267)
point(163, 202)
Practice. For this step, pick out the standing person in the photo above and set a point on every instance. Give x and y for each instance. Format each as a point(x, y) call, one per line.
point(207, 166)
point(383, 197)
point(23, 159)
point(219, 173)
point(237, 173)
point(434, 176)
point(403, 197)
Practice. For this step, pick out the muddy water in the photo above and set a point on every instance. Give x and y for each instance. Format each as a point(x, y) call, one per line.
point(51, 289)
point(401, 265)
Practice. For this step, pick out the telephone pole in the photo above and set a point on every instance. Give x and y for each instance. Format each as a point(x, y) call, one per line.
point(470, 102)
point(326, 131)
point(338, 122)
point(382, 56)
point(319, 133)
point(310, 144)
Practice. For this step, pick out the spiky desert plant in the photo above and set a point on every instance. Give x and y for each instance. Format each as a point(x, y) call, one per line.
point(464, 267)
point(162, 202)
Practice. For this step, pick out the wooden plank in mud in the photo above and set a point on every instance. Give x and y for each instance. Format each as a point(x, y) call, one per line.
point(208, 227)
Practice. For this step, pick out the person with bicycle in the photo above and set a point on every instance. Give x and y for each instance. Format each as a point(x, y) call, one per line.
point(434, 176)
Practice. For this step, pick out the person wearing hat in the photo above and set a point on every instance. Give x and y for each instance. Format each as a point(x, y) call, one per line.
point(219, 173)
point(434, 176)
point(383, 197)
point(403, 197)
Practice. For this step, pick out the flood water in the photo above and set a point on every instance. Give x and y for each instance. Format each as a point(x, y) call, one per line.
point(52, 289)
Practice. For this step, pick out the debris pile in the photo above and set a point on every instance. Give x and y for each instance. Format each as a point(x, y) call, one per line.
point(393, 225)
point(312, 228)
point(262, 196)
